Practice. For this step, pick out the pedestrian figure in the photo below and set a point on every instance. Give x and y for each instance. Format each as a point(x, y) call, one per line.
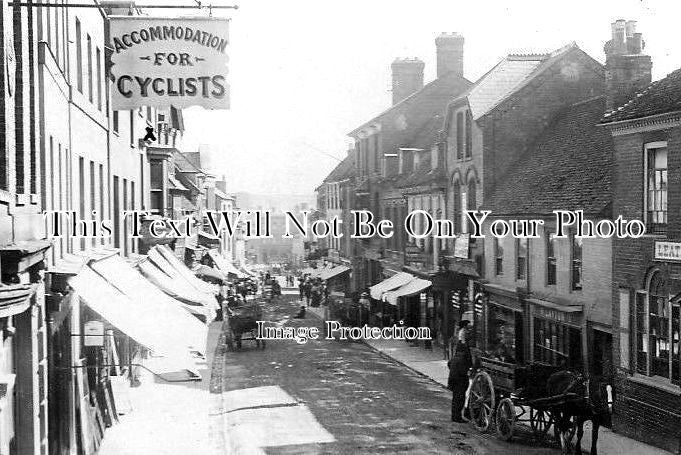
point(459, 366)
point(301, 289)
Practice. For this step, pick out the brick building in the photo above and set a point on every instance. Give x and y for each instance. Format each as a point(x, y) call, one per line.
point(387, 146)
point(486, 130)
point(646, 131)
point(551, 296)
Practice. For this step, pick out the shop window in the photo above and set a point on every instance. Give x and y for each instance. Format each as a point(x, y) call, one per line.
point(577, 244)
point(504, 338)
point(550, 259)
point(498, 258)
point(657, 331)
point(521, 258)
point(557, 344)
point(656, 187)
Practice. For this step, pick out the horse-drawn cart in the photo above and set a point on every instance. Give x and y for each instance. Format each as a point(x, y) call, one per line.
point(243, 319)
point(505, 394)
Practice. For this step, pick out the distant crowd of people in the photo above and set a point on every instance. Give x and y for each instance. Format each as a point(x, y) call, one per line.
point(313, 290)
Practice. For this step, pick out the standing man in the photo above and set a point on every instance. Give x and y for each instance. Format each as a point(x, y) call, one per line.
point(459, 365)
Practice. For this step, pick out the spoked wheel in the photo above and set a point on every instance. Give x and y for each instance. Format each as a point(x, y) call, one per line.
point(540, 422)
point(481, 401)
point(505, 419)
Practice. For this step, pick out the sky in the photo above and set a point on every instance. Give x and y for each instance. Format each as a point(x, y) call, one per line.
point(303, 73)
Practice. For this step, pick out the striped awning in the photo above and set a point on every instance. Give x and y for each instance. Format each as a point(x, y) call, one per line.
point(328, 274)
point(413, 287)
point(394, 282)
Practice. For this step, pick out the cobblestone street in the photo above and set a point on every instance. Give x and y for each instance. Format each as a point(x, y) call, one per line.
point(367, 402)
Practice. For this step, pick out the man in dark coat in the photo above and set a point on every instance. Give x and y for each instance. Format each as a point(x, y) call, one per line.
point(457, 382)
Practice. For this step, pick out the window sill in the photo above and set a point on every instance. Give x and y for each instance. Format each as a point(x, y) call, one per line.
point(657, 382)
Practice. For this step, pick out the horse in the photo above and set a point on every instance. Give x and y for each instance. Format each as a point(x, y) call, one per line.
point(243, 319)
point(594, 403)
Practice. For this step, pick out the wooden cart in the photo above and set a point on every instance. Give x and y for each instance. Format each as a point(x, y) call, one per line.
point(504, 394)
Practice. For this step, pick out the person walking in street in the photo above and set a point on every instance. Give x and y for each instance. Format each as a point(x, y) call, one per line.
point(301, 288)
point(459, 366)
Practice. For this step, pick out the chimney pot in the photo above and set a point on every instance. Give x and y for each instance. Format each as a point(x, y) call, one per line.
point(449, 48)
point(627, 69)
point(407, 77)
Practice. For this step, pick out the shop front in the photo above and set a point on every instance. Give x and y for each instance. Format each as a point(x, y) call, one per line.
point(557, 334)
point(499, 329)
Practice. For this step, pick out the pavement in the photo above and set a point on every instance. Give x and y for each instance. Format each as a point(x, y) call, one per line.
point(170, 418)
point(429, 363)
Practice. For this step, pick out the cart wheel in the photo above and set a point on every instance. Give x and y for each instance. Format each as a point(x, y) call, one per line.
point(481, 401)
point(540, 421)
point(505, 419)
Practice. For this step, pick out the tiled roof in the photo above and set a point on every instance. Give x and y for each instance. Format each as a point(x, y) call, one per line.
point(500, 81)
point(658, 98)
point(567, 168)
point(344, 170)
point(402, 122)
point(509, 76)
point(184, 163)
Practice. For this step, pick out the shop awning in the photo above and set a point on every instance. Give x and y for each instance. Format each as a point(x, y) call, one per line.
point(328, 274)
point(184, 270)
point(139, 322)
point(316, 273)
point(413, 287)
point(208, 239)
point(209, 273)
point(394, 282)
point(557, 306)
point(144, 294)
point(190, 290)
point(248, 272)
point(225, 266)
point(191, 299)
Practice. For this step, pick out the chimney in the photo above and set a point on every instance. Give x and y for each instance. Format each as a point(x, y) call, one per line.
point(407, 77)
point(449, 54)
point(627, 69)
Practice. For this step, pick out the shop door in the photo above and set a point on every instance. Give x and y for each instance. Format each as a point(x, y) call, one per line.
point(602, 353)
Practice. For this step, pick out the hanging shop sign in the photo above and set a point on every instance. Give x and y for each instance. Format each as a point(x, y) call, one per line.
point(461, 246)
point(162, 62)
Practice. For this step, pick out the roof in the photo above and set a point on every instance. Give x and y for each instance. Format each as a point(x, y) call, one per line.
point(187, 162)
point(511, 74)
point(344, 170)
point(174, 184)
point(501, 80)
point(431, 99)
point(568, 168)
point(660, 97)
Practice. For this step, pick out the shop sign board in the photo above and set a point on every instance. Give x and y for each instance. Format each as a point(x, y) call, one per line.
point(93, 332)
point(169, 61)
point(667, 251)
point(461, 246)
